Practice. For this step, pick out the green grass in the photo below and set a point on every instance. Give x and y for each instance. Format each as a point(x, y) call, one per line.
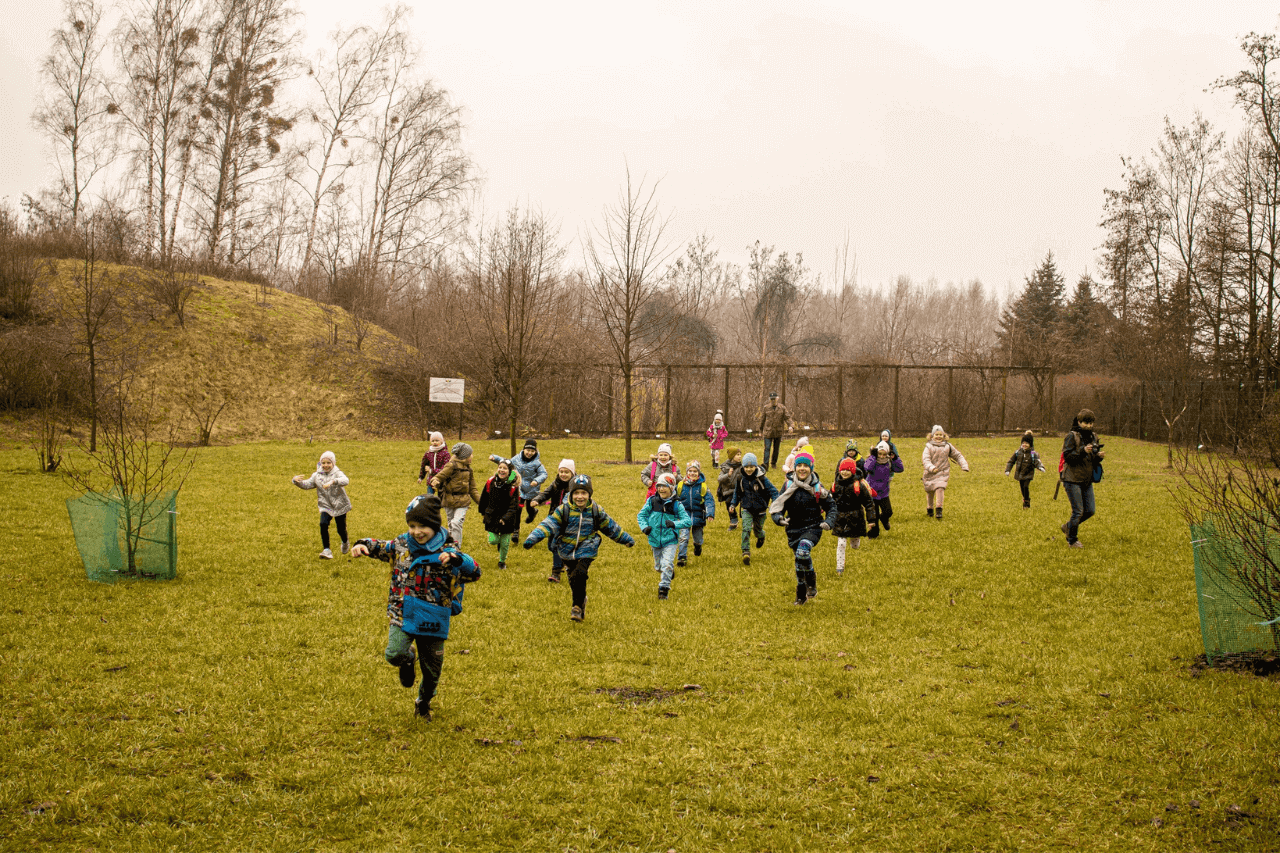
point(246, 705)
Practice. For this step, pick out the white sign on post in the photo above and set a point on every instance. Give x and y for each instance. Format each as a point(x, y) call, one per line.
point(445, 390)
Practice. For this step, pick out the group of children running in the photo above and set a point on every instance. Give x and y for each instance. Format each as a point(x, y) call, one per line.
point(429, 571)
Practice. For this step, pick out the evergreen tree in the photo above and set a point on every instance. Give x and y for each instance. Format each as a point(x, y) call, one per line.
point(1029, 325)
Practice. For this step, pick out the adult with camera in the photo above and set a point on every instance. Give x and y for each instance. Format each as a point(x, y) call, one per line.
point(1082, 467)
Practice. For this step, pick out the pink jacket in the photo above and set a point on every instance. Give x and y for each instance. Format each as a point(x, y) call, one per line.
point(937, 464)
point(716, 436)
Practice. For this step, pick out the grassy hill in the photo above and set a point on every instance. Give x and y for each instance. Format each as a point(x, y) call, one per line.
point(287, 368)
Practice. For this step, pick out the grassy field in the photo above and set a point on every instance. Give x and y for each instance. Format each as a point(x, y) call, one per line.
point(965, 685)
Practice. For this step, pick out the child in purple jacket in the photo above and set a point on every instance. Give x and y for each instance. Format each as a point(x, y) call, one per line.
point(880, 467)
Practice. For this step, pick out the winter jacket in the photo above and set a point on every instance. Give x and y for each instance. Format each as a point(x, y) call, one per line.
point(456, 484)
point(936, 460)
point(805, 512)
point(697, 500)
point(574, 531)
point(661, 521)
point(753, 494)
point(556, 493)
point(649, 476)
point(716, 436)
point(500, 505)
point(728, 481)
point(878, 475)
point(1024, 465)
point(1077, 461)
point(440, 585)
point(855, 507)
point(433, 462)
point(532, 474)
point(331, 492)
point(774, 420)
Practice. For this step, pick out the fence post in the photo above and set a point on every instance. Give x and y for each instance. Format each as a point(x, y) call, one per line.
point(1053, 380)
point(839, 398)
point(951, 400)
point(897, 373)
point(784, 386)
point(1142, 405)
point(1004, 395)
point(666, 402)
point(726, 395)
point(608, 397)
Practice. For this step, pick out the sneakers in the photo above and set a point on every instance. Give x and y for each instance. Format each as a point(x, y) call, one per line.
point(1075, 544)
point(408, 673)
point(681, 561)
point(1026, 504)
point(929, 512)
point(326, 554)
point(884, 524)
point(697, 550)
point(812, 593)
point(759, 542)
point(662, 593)
point(800, 600)
point(575, 613)
point(502, 565)
point(1064, 528)
point(746, 558)
point(422, 709)
point(733, 525)
point(554, 577)
point(938, 514)
point(345, 547)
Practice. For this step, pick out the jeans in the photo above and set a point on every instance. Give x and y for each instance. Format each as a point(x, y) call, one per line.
point(664, 560)
point(340, 523)
point(430, 657)
point(750, 520)
point(770, 445)
point(1081, 497)
point(454, 516)
point(684, 539)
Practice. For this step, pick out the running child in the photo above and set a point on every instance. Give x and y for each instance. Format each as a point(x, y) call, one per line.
point(556, 493)
point(1024, 463)
point(693, 494)
point(789, 464)
point(716, 434)
point(456, 484)
point(434, 460)
point(806, 509)
point(528, 466)
point(751, 497)
point(850, 452)
point(331, 496)
point(937, 456)
point(880, 467)
point(428, 577)
point(855, 510)
point(500, 508)
point(727, 481)
point(662, 462)
point(662, 520)
point(575, 529)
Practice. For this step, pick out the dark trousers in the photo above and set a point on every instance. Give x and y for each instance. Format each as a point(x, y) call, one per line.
point(771, 447)
point(577, 570)
point(884, 511)
point(430, 658)
point(340, 523)
point(1025, 485)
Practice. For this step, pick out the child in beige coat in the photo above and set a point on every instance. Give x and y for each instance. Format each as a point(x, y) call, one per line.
point(937, 456)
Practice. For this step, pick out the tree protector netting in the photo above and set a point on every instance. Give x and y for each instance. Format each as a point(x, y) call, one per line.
point(1237, 586)
point(126, 537)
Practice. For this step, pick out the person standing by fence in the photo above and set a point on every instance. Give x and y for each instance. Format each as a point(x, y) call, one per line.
point(1081, 467)
point(774, 419)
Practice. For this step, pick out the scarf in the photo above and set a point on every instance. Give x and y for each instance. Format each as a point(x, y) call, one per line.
point(810, 485)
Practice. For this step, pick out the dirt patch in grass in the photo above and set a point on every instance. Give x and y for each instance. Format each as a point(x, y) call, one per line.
point(1261, 664)
point(645, 695)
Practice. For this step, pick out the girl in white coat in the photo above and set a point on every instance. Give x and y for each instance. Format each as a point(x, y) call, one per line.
point(937, 456)
point(331, 495)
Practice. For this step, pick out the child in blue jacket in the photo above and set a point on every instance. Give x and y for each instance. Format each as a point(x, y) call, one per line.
point(700, 502)
point(428, 577)
point(662, 520)
point(751, 497)
point(805, 509)
point(575, 528)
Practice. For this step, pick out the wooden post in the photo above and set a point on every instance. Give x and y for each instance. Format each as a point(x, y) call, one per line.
point(1004, 396)
point(666, 401)
point(1142, 405)
point(897, 373)
point(784, 386)
point(608, 399)
point(839, 399)
point(951, 400)
point(726, 396)
point(1053, 380)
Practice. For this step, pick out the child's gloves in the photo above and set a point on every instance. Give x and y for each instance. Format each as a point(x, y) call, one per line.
point(528, 543)
point(778, 519)
point(631, 544)
point(646, 530)
point(671, 525)
point(825, 526)
point(873, 531)
point(1006, 473)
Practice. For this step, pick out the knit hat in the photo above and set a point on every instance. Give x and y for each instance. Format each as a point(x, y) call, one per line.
point(531, 442)
point(731, 452)
point(665, 480)
point(1030, 439)
point(581, 481)
point(424, 510)
point(884, 445)
point(665, 447)
point(434, 437)
point(803, 458)
point(749, 461)
point(694, 463)
point(936, 429)
point(852, 445)
point(719, 415)
point(461, 450)
point(328, 454)
point(567, 463)
point(885, 435)
point(848, 464)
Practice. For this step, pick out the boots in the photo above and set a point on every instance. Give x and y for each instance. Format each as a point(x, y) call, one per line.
point(939, 514)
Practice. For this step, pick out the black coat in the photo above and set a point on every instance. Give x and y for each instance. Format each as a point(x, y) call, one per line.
point(500, 505)
point(855, 508)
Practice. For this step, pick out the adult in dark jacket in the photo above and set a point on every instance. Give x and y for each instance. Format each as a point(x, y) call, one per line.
point(1081, 453)
point(774, 419)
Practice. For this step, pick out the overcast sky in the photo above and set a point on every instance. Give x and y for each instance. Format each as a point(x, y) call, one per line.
point(946, 140)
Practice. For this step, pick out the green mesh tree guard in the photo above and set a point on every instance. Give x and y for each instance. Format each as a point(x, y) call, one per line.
point(1238, 587)
point(126, 538)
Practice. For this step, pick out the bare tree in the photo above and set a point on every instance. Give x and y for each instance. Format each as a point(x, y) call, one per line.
point(515, 281)
point(624, 256)
point(73, 103)
point(94, 310)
